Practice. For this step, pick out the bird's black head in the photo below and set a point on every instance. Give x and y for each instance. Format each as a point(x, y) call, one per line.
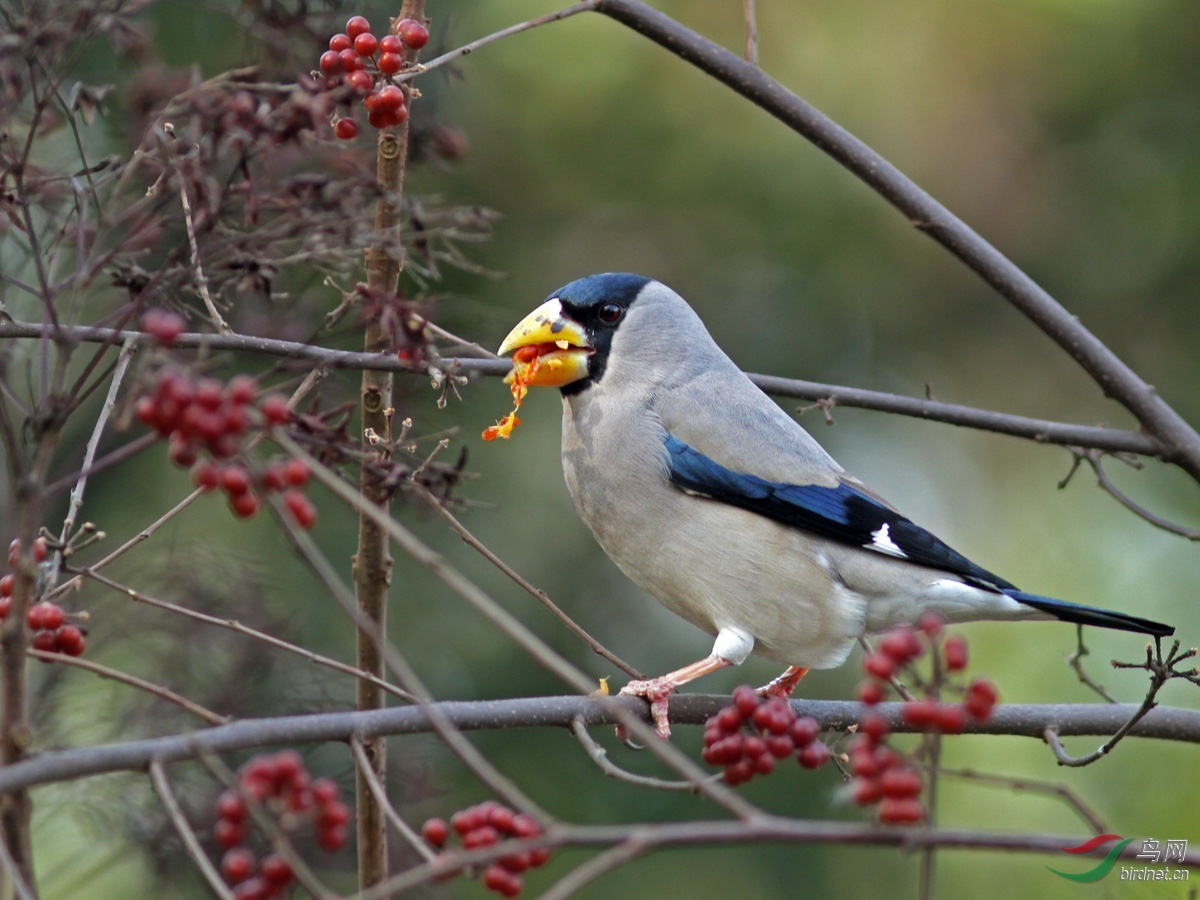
point(598, 303)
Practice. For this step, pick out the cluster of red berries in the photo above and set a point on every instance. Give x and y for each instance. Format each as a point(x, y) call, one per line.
point(239, 484)
point(8, 582)
point(748, 736)
point(881, 775)
point(51, 631)
point(483, 825)
point(281, 783)
point(366, 63)
point(208, 415)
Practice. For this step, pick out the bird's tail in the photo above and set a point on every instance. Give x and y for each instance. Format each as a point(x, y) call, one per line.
point(1090, 615)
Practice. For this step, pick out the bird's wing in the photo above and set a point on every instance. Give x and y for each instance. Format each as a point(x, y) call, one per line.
point(841, 512)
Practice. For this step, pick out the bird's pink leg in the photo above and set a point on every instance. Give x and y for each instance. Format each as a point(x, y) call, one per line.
point(657, 690)
point(784, 684)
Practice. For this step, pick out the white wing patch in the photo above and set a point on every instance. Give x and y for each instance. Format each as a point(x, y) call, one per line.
point(882, 542)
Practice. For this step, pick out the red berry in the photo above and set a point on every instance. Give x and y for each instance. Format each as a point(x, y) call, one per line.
point(435, 831)
point(243, 505)
point(981, 697)
point(951, 718)
point(863, 762)
point(209, 394)
point(391, 97)
point(398, 115)
point(390, 63)
point(746, 700)
point(389, 43)
point(275, 409)
point(517, 862)
point(900, 811)
point(40, 550)
point(483, 836)
point(340, 42)
point(805, 731)
point(230, 805)
point(70, 640)
point(955, 653)
point(362, 82)
point(163, 325)
point(276, 869)
point(289, 767)
point(235, 480)
point(6, 585)
point(780, 745)
point(241, 390)
point(875, 727)
point(272, 479)
point(330, 62)
point(295, 472)
point(5, 607)
point(237, 864)
point(539, 856)
point(502, 881)
point(739, 772)
point(814, 755)
point(501, 818)
point(44, 615)
point(332, 838)
point(870, 692)
point(764, 764)
point(900, 782)
point(182, 452)
point(346, 129)
point(301, 509)
point(879, 665)
point(413, 33)
point(525, 825)
point(325, 791)
point(901, 644)
point(931, 623)
point(866, 791)
point(379, 118)
point(206, 476)
point(365, 44)
point(357, 25)
point(334, 815)
point(920, 714)
point(351, 61)
point(228, 833)
point(46, 641)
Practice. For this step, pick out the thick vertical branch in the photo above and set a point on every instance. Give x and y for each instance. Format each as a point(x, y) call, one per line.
point(372, 562)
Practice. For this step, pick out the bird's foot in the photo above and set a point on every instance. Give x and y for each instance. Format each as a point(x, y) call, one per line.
point(656, 691)
point(784, 684)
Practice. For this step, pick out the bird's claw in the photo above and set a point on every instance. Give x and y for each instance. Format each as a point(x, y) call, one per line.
point(656, 691)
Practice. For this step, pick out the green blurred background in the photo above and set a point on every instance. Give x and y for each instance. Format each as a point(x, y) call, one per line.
point(1066, 132)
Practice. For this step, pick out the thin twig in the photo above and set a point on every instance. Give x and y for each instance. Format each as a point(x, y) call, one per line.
point(599, 865)
point(537, 593)
point(20, 886)
point(90, 454)
point(405, 830)
point(751, 17)
point(599, 756)
point(1064, 793)
point(133, 681)
point(466, 49)
point(1106, 484)
point(235, 625)
point(894, 680)
point(1075, 661)
point(190, 842)
point(201, 279)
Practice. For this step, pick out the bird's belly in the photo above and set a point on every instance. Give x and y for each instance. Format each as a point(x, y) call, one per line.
point(718, 566)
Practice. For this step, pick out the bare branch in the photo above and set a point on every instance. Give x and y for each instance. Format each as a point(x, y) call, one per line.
point(1064, 793)
point(1075, 661)
point(751, 17)
point(599, 756)
point(133, 681)
point(380, 793)
point(1102, 478)
point(1024, 720)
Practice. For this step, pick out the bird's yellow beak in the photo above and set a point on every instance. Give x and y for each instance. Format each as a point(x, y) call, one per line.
point(557, 342)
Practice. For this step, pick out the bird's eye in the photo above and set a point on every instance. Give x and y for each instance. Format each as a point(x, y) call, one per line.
point(610, 312)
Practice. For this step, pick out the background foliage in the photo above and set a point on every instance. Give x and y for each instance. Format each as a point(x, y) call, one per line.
point(1065, 132)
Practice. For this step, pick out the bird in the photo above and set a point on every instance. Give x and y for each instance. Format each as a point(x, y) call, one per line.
point(717, 503)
